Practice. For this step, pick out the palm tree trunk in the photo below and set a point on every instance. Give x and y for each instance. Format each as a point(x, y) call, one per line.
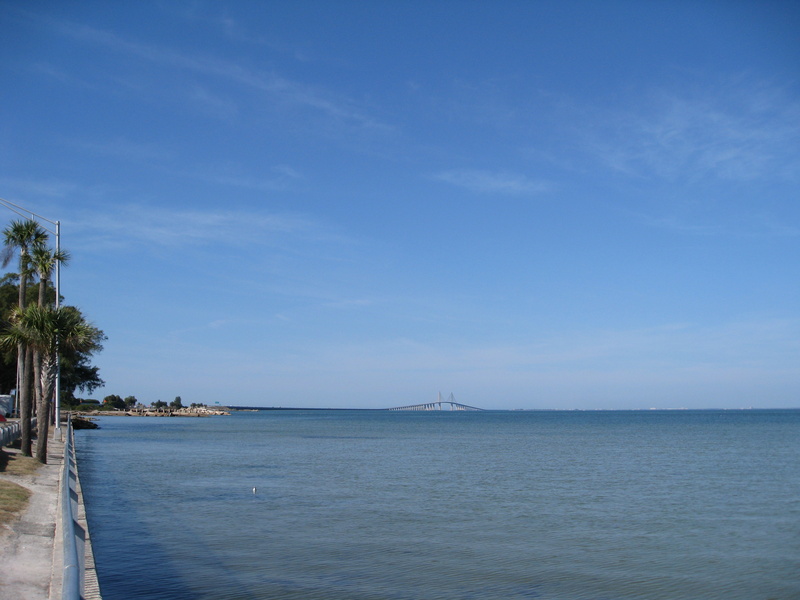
point(36, 384)
point(47, 385)
point(23, 371)
point(22, 389)
point(25, 405)
point(20, 370)
point(43, 423)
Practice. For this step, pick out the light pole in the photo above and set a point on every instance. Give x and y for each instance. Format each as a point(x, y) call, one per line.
point(29, 214)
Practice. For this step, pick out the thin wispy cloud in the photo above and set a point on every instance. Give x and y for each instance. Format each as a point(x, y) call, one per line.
point(489, 182)
point(217, 17)
point(753, 227)
point(676, 225)
point(346, 304)
point(37, 188)
point(134, 225)
point(213, 105)
point(670, 348)
point(270, 179)
point(735, 132)
point(124, 148)
point(277, 178)
point(280, 88)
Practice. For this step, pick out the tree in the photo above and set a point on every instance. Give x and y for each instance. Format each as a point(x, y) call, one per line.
point(130, 401)
point(114, 400)
point(159, 404)
point(23, 236)
point(43, 261)
point(176, 403)
point(77, 372)
point(9, 291)
point(47, 329)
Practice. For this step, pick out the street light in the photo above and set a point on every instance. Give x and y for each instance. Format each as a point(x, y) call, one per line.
point(29, 214)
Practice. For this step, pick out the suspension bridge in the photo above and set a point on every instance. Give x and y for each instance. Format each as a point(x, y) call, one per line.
point(439, 404)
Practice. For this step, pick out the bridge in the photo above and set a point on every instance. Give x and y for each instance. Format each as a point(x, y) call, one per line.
point(438, 405)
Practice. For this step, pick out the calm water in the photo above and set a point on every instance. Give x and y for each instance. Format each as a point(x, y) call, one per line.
point(368, 505)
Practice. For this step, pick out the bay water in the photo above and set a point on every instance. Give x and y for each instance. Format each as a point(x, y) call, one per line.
point(369, 505)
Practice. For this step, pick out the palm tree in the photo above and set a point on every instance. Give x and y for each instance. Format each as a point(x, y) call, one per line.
point(47, 329)
point(23, 236)
point(43, 260)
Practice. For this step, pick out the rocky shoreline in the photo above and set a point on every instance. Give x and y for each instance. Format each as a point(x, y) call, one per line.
point(156, 412)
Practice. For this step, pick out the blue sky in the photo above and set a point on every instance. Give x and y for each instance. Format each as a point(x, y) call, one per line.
point(361, 204)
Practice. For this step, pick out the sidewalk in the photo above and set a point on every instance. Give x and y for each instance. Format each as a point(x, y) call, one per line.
point(31, 548)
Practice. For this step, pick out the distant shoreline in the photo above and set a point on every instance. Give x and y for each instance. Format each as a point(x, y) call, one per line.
point(227, 410)
point(165, 412)
point(652, 409)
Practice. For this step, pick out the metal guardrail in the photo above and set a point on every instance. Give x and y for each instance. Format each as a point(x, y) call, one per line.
point(73, 566)
point(11, 431)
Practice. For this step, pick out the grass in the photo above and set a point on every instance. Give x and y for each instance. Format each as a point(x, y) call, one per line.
point(16, 464)
point(13, 497)
point(13, 500)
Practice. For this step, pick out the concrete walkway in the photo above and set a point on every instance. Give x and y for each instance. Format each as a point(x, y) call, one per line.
point(31, 548)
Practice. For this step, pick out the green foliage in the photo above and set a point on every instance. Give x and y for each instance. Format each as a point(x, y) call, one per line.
point(77, 373)
point(9, 294)
point(47, 329)
point(86, 405)
point(70, 403)
point(114, 401)
point(176, 403)
point(130, 401)
point(159, 404)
